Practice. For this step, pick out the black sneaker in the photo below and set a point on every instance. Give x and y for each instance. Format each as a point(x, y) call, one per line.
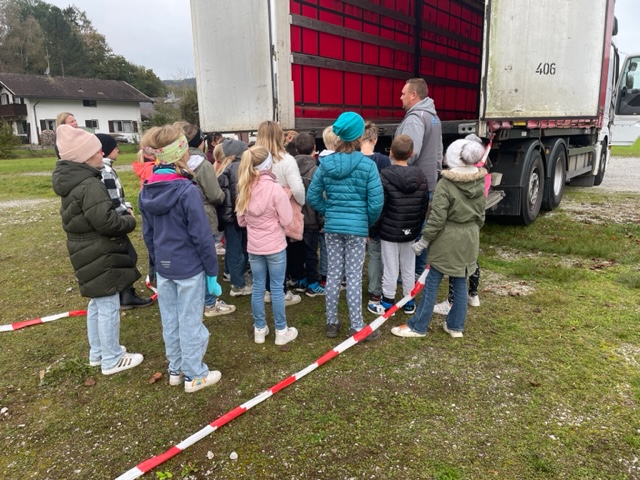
point(373, 336)
point(130, 299)
point(333, 329)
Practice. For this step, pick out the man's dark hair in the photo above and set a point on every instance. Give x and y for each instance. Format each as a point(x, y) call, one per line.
point(305, 143)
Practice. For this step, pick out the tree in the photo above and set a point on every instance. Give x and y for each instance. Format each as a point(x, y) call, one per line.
point(189, 107)
point(8, 141)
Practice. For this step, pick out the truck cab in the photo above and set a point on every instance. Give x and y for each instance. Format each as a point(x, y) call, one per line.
point(626, 127)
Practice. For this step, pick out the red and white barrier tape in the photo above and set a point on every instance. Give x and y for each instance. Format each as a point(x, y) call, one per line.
point(36, 321)
point(147, 282)
point(153, 462)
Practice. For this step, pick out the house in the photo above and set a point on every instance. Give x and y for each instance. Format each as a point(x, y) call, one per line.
point(31, 103)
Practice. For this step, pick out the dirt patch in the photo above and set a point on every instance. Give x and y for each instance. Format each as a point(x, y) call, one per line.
point(599, 213)
point(13, 204)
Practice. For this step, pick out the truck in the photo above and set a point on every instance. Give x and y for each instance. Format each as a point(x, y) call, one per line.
point(535, 78)
point(626, 126)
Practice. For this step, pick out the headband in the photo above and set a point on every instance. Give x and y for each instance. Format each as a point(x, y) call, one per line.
point(172, 152)
point(266, 165)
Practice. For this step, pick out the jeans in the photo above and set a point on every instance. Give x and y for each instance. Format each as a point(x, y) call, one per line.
point(374, 266)
point(474, 283)
point(103, 330)
point(422, 318)
point(346, 257)
point(185, 337)
point(310, 239)
point(322, 266)
point(421, 260)
point(236, 253)
point(276, 265)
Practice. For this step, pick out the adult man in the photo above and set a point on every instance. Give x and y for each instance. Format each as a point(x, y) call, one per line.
point(422, 124)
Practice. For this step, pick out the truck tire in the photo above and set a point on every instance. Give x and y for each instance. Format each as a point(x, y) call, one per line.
point(554, 184)
point(602, 168)
point(533, 188)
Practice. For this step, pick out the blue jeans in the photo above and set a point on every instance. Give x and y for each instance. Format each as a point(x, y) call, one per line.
point(455, 320)
point(185, 337)
point(210, 300)
point(276, 265)
point(421, 260)
point(236, 253)
point(103, 330)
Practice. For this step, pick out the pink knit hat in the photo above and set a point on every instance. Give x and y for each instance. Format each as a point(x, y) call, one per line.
point(76, 145)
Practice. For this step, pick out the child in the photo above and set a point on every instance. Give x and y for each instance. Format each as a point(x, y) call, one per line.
point(346, 189)
point(178, 237)
point(143, 168)
point(374, 265)
point(330, 140)
point(234, 235)
point(452, 234)
point(212, 195)
point(306, 146)
point(264, 208)
point(97, 243)
point(128, 297)
point(285, 169)
point(406, 198)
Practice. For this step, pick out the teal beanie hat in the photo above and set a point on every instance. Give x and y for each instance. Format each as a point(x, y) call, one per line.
point(349, 126)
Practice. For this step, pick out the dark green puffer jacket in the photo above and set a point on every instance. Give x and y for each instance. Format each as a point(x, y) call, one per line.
point(96, 235)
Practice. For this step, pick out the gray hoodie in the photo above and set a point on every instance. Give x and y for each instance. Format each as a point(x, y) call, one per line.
point(422, 124)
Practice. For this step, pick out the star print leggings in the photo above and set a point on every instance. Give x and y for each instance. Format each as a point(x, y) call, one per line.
point(345, 255)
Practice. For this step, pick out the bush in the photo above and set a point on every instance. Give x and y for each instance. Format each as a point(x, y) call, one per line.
point(47, 137)
point(8, 141)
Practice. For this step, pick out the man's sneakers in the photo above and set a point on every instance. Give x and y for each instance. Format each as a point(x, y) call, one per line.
point(127, 361)
point(314, 289)
point(194, 384)
point(442, 308)
point(405, 331)
point(218, 308)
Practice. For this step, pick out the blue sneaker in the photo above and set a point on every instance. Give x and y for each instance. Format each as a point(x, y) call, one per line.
point(410, 307)
point(314, 289)
point(300, 286)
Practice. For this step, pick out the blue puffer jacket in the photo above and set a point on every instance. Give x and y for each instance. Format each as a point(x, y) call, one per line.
point(346, 189)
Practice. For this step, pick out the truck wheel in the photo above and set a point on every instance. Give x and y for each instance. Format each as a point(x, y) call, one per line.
point(554, 186)
point(602, 168)
point(533, 189)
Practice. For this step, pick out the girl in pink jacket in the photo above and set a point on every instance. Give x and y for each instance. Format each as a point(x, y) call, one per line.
point(264, 208)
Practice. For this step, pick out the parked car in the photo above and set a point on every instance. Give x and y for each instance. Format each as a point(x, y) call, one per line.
point(120, 138)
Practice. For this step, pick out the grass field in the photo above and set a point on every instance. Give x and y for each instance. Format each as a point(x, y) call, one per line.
point(544, 385)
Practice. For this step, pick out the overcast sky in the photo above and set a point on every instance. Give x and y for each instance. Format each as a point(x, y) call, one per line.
point(157, 33)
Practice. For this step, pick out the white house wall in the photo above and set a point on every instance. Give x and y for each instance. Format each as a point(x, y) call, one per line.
point(104, 112)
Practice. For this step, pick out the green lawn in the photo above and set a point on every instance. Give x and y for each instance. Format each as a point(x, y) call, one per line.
point(544, 385)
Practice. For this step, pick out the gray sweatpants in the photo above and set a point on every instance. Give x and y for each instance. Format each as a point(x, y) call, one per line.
point(345, 255)
point(397, 258)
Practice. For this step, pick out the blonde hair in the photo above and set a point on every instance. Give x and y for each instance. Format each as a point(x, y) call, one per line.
point(221, 162)
point(370, 132)
point(61, 119)
point(158, 137)
point(347, 147)
point(271, 136)
point(248, 174)
point(329, 138)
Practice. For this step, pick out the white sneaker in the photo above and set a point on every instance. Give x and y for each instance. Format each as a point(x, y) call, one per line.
point(267, 296)
point(287, 335)
point(473, 300)
point(240, 291)
point(200, 383)
point(405, 331)
point(176, 378)
point(453, 333)
point(97, 363)
point(259, 334)
point(127, 361)
point(218, 308)
point(220, 250)
point(442, 308)
point(291, 299)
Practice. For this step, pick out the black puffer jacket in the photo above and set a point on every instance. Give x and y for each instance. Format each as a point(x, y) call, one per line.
point(308, 166)
point(96, 235)
point(406, 198)
point(229, 184)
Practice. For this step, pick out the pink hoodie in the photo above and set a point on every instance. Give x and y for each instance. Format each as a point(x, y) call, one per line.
point(268, 213)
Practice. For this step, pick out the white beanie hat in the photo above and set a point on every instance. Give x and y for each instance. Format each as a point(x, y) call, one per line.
point(76, 145)
point(468, 151)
